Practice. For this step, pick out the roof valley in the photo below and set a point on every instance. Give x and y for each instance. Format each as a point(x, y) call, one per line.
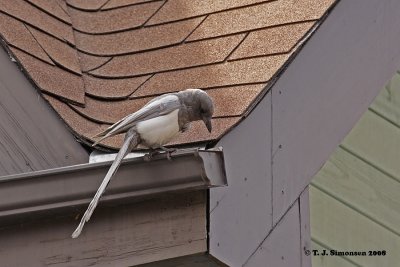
point(114, 56)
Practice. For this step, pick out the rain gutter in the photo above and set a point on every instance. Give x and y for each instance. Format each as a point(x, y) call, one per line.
point(70, 187)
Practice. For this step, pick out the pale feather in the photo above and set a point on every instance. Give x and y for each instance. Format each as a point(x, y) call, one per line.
point(131, 141)
point(160, 130)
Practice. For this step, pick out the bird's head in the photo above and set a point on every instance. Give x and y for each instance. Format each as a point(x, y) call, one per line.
point(200, 106)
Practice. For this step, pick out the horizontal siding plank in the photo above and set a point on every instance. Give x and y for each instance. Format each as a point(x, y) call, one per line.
point(124, 235)
point(328, 261)
point(374, 137)
point(341, 228)
point(362, 186)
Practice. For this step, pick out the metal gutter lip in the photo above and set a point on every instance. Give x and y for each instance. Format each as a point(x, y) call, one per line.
point(71, 186)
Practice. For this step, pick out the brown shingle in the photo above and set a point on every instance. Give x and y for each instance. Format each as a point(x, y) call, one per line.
point(233, 101)
point(181, 9)
point(116, 110)
point(280, 40)
point(16, 34)
point(114, 142)
point(121, 3)
point(254, 70)
point(53, 8)
point(136, 40)
point(230, 101)
point(82, 127)
point(198, 132)
point(87, 4)
point(58, 51)
point(52, 79)
point(259, 16)
point(63, 5)
point(112, 88)
point(89, 62)
point(112, 20)
point(32, 15)
point(182, 56)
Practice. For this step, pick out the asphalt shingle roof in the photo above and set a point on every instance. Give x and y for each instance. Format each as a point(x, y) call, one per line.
point(98, 60)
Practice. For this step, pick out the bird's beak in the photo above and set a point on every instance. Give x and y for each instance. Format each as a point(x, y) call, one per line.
point(207, 122)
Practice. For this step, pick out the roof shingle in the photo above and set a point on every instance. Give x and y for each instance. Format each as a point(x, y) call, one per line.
point(113, 20)
point(122, 3)
point(52, 79)
point(90, 62)
point(231, 101)
point(33, 16)
point(16, 34)
point(260, 16)
point(136, 40)
point(99, 60)
point(175, 10)
point(87, 4)
point(60, 52)
point(281, 39)
point(254, 70)
point(176, 57)
point(52, 7)
point(112, 88)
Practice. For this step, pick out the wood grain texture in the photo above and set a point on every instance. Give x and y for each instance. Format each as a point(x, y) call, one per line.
point(377, 141)
point(327, 87)
point(32, 137)
point(342, 229)
point(363, 177)
point(241, 213)
point(282, 246)
point(121, 236)
point(362, 187)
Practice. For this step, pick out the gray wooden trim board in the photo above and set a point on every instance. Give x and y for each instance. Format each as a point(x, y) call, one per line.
point(241, 214)
point(127, 235)
point(305, 235)
point(327, 87)
point(32, 136)
point(283, 246)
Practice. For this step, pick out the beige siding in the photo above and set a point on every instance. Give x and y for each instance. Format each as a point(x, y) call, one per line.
point(355, 197)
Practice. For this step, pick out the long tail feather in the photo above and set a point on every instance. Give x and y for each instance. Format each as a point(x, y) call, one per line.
point(101, 139)
point(131, 141)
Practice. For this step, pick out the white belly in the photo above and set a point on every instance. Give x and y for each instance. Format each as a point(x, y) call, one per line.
point(159, 131)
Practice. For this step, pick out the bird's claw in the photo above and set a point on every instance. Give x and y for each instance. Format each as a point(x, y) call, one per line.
point(150, 155)
point(169, 151)
point(169, 154)
point(147, 157)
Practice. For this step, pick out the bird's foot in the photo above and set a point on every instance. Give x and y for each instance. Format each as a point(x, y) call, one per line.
point(150, 155)
point(169, 151)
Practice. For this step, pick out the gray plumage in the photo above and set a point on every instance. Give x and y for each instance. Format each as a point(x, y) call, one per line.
point(153, 126)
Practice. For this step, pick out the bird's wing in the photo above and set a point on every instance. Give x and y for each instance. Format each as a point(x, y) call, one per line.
point(159, 106)
point(131, 141)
